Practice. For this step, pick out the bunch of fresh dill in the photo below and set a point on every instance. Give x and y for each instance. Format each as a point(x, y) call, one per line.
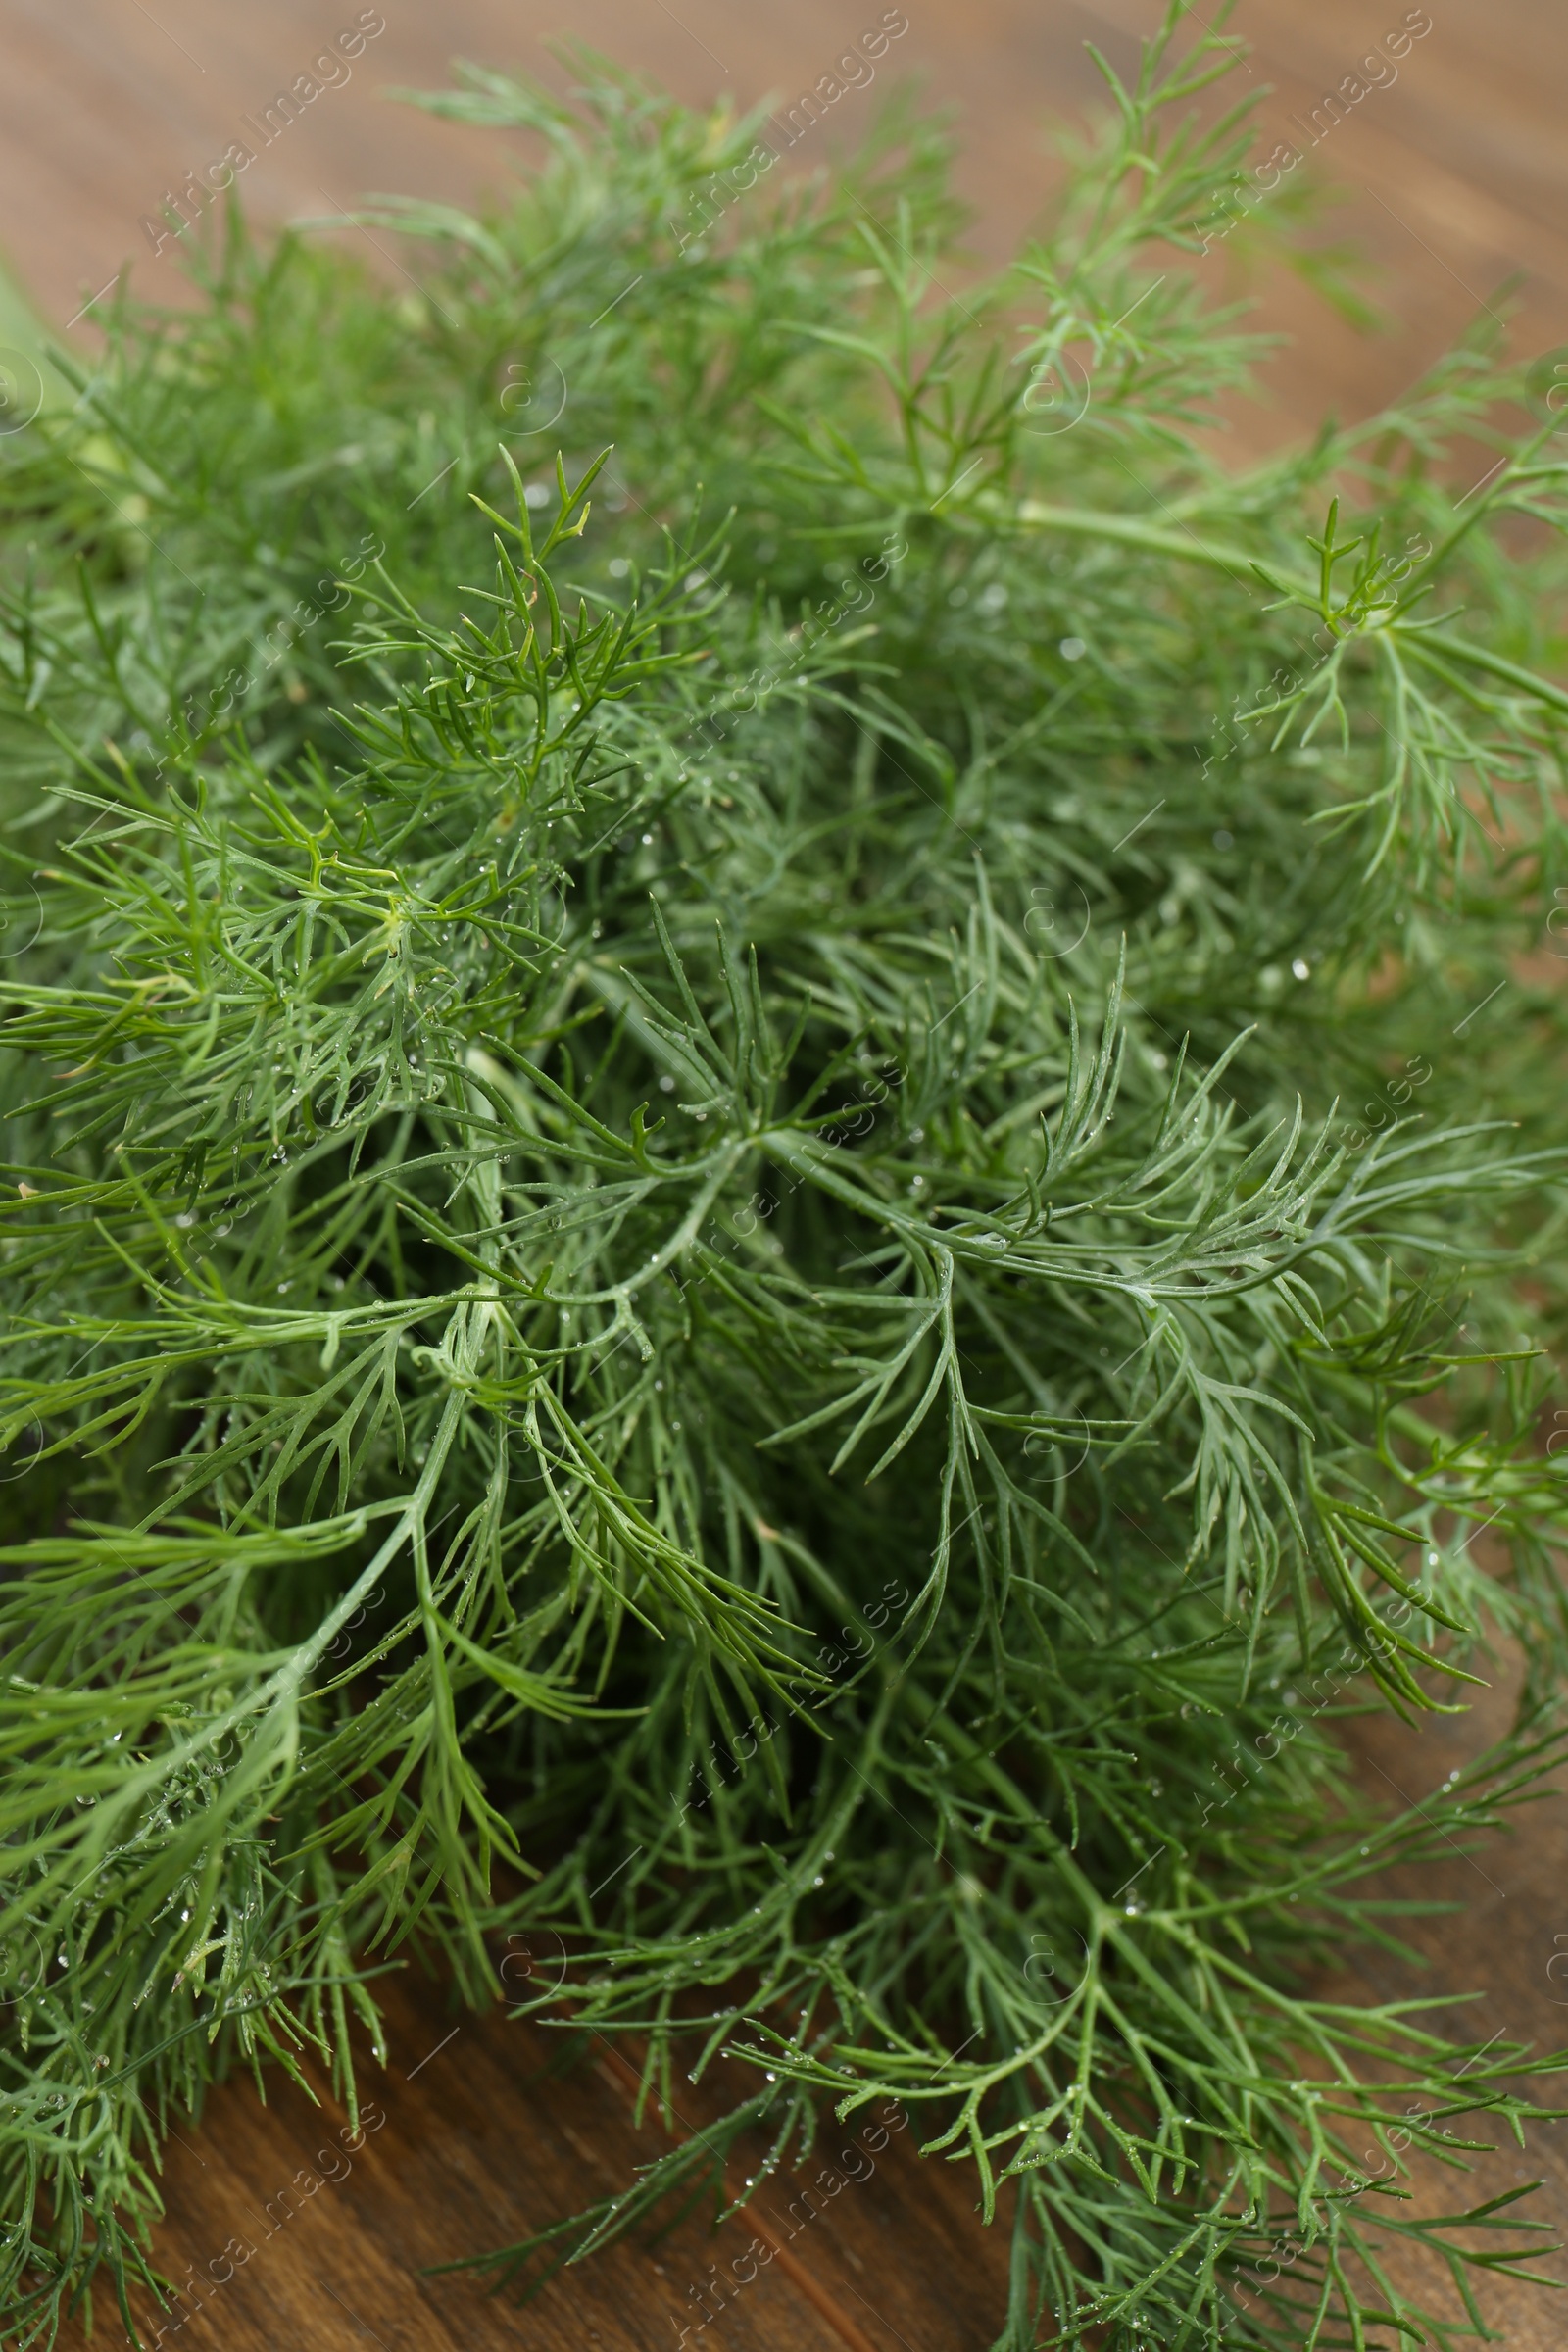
point(678, 1223)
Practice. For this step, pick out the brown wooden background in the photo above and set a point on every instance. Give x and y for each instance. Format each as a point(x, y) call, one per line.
point(1453, 180)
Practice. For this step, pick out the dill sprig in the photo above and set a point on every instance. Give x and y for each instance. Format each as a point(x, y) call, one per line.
point(802, 1221)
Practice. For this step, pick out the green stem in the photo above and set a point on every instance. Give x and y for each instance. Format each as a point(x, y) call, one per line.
point(1125, 530)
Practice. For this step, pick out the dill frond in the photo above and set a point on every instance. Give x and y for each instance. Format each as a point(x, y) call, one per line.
point(787, 1241)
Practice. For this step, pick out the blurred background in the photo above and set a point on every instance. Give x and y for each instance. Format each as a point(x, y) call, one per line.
point(1447, 174)
point(1434, 136)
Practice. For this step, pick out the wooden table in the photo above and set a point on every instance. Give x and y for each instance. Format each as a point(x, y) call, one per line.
point(477, 2135)
point(474, 2137)
point(1453, 177)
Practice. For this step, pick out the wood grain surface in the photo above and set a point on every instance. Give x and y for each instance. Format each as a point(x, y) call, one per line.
point(1454, 179)
point(481, 2129)
point(286, 2228)
point(1451, 177)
